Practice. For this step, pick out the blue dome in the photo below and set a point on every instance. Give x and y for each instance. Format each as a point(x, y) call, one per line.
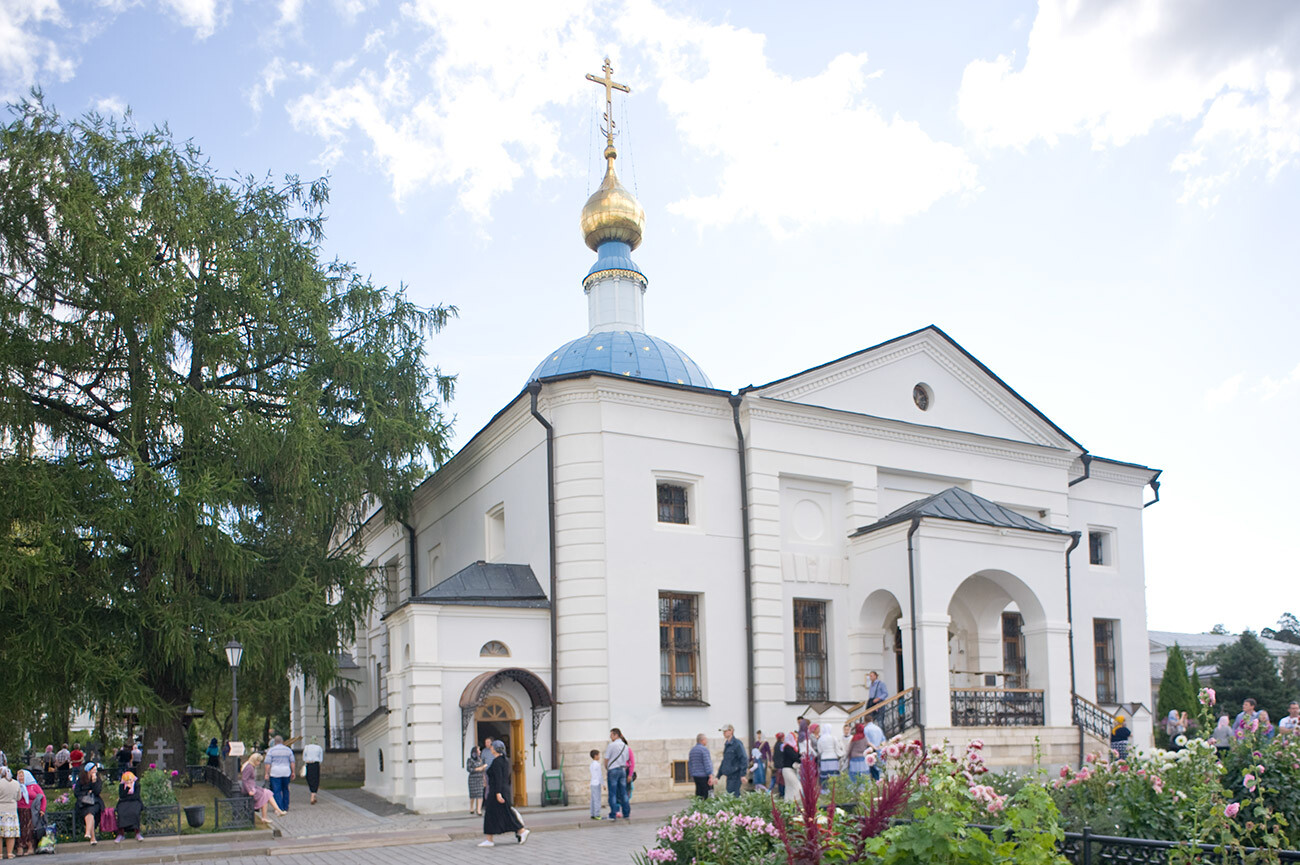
point(624, 352)
point(614, 255)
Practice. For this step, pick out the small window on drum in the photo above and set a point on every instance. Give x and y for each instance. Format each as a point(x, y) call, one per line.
point(494, 649)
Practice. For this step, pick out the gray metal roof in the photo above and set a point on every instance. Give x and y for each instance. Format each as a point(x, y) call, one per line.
point(1205, 642)
point(957, 504)
point(488, 584)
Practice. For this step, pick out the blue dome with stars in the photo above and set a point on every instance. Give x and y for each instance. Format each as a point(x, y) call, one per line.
point(624, 352)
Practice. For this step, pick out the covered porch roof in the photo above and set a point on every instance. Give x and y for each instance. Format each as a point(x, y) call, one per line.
point(960, 505)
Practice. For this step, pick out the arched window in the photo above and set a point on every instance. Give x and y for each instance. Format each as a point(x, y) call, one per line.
point(494, 649)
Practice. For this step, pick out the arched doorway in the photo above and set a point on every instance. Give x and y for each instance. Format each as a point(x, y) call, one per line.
point(497, 719)
point(338, 728)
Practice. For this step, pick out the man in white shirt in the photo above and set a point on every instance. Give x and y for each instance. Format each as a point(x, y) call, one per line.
point(312, 755)
point(1291, 723)
point(876, 739)
point(279, 769)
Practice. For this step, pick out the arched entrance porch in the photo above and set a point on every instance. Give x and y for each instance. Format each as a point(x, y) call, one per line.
point(493, 713)
point(996, 652)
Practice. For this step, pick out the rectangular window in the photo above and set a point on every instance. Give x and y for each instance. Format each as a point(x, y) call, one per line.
point(1099, 548)
point(810, 650)
point(672, 504)
point(1013, 650)
point(392, 587)
point(679, 648)
point(1103, 640)
point(679, 772)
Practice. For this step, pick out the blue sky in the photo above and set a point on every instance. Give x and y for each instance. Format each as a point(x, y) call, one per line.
point(1098, 199)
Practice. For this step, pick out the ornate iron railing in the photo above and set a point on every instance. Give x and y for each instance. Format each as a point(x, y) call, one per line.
point(234, 813)
point(997, 707)
point(158, 820)
point(1085, 848)
point(1093, 718)
point(340, 739)
point(900, 712)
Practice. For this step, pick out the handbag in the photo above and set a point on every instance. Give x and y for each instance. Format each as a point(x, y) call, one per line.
point(38, 824)
point(87, 799)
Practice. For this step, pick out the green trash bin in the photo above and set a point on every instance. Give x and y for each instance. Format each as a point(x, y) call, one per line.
point(553, 790)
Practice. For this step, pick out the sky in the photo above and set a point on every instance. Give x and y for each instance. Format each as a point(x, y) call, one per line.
point(1097, 198)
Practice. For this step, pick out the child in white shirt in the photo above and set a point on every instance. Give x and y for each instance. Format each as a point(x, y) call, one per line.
point(597, 777)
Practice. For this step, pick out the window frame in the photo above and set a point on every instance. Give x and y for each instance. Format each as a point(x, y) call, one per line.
point(803, 691)
point(1019, 677)
point(1104, 662)
point(670, 650)
point(1105, 537)
point(494, 530)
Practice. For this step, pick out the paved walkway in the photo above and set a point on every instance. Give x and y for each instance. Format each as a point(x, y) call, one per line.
point(340, 831)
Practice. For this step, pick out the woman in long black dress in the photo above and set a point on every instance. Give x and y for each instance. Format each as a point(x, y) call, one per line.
point(129, 807)
point(498, 815)
point(90, 804)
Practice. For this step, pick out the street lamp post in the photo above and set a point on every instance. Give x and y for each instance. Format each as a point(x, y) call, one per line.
point(234, 654)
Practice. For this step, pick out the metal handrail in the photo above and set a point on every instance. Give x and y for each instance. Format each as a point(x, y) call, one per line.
point(900, 712)
point(1092, 718)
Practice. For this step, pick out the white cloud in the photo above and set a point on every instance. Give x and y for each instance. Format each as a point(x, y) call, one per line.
point(1269, 387)
point(1223, 394)
point(26, 53)
point(273, 73)
point(475, 108)
point(290, 10)
point(202, 16)
point(110, 105)
point(471, 110)
point(795, 153)
point(1117, 70)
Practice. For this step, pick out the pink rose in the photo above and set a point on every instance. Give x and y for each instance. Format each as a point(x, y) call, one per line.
point(1231, 810)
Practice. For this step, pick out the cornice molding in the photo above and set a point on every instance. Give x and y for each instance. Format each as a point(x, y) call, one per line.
point(835, 420)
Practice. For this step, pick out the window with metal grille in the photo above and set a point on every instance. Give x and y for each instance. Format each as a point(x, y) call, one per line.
point(679, 772)
point(1098, 552)
point(672, 504)
point(1013, 649)
point(810, 650)
point(679, 648)
point(1103, 640)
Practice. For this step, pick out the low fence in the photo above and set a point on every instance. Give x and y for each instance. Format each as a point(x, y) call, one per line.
point(1085, 848)
point(232, 810)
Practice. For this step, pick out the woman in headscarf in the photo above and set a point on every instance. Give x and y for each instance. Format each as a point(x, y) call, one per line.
point(790, 766)
point(10, 792)
point(129, 807)
point(87, 793)
point(214, 753)
point(262, 798)
point(477, 780)
point(1222, 735)
point(828, 754)
point(498, 815)
point(1119, 736)
point(858, 746)
point(31, 800)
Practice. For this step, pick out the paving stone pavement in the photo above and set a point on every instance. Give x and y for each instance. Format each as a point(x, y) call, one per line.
point(599, 845)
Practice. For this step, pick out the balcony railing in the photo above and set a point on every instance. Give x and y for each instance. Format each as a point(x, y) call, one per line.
point(997, 707)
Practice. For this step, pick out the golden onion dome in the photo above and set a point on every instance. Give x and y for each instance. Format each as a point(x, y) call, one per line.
point(612, 213)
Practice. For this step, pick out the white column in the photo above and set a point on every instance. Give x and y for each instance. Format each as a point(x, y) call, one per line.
point(1047, 652)
point(932, 663)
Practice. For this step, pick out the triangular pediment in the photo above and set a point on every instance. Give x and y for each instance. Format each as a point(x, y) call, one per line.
point(960, 393)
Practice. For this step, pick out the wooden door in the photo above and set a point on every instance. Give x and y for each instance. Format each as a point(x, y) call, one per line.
point(518, 764)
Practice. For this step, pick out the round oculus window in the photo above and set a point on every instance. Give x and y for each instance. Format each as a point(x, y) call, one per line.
point(923, 396)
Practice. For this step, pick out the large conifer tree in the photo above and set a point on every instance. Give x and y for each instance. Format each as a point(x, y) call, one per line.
point(1176, 692)
point(1246, 669)
point(194, 410)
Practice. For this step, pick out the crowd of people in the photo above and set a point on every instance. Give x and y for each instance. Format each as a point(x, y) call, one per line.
point(856, 750)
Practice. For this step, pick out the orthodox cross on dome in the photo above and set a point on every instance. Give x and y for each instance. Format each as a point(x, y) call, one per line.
point(610, 86)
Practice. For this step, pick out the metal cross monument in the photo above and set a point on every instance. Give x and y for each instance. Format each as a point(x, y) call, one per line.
point(610, 86)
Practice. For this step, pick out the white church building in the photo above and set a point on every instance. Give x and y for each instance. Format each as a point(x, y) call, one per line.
point(626, 545)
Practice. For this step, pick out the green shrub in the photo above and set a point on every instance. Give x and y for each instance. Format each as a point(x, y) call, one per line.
point(156, 788)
